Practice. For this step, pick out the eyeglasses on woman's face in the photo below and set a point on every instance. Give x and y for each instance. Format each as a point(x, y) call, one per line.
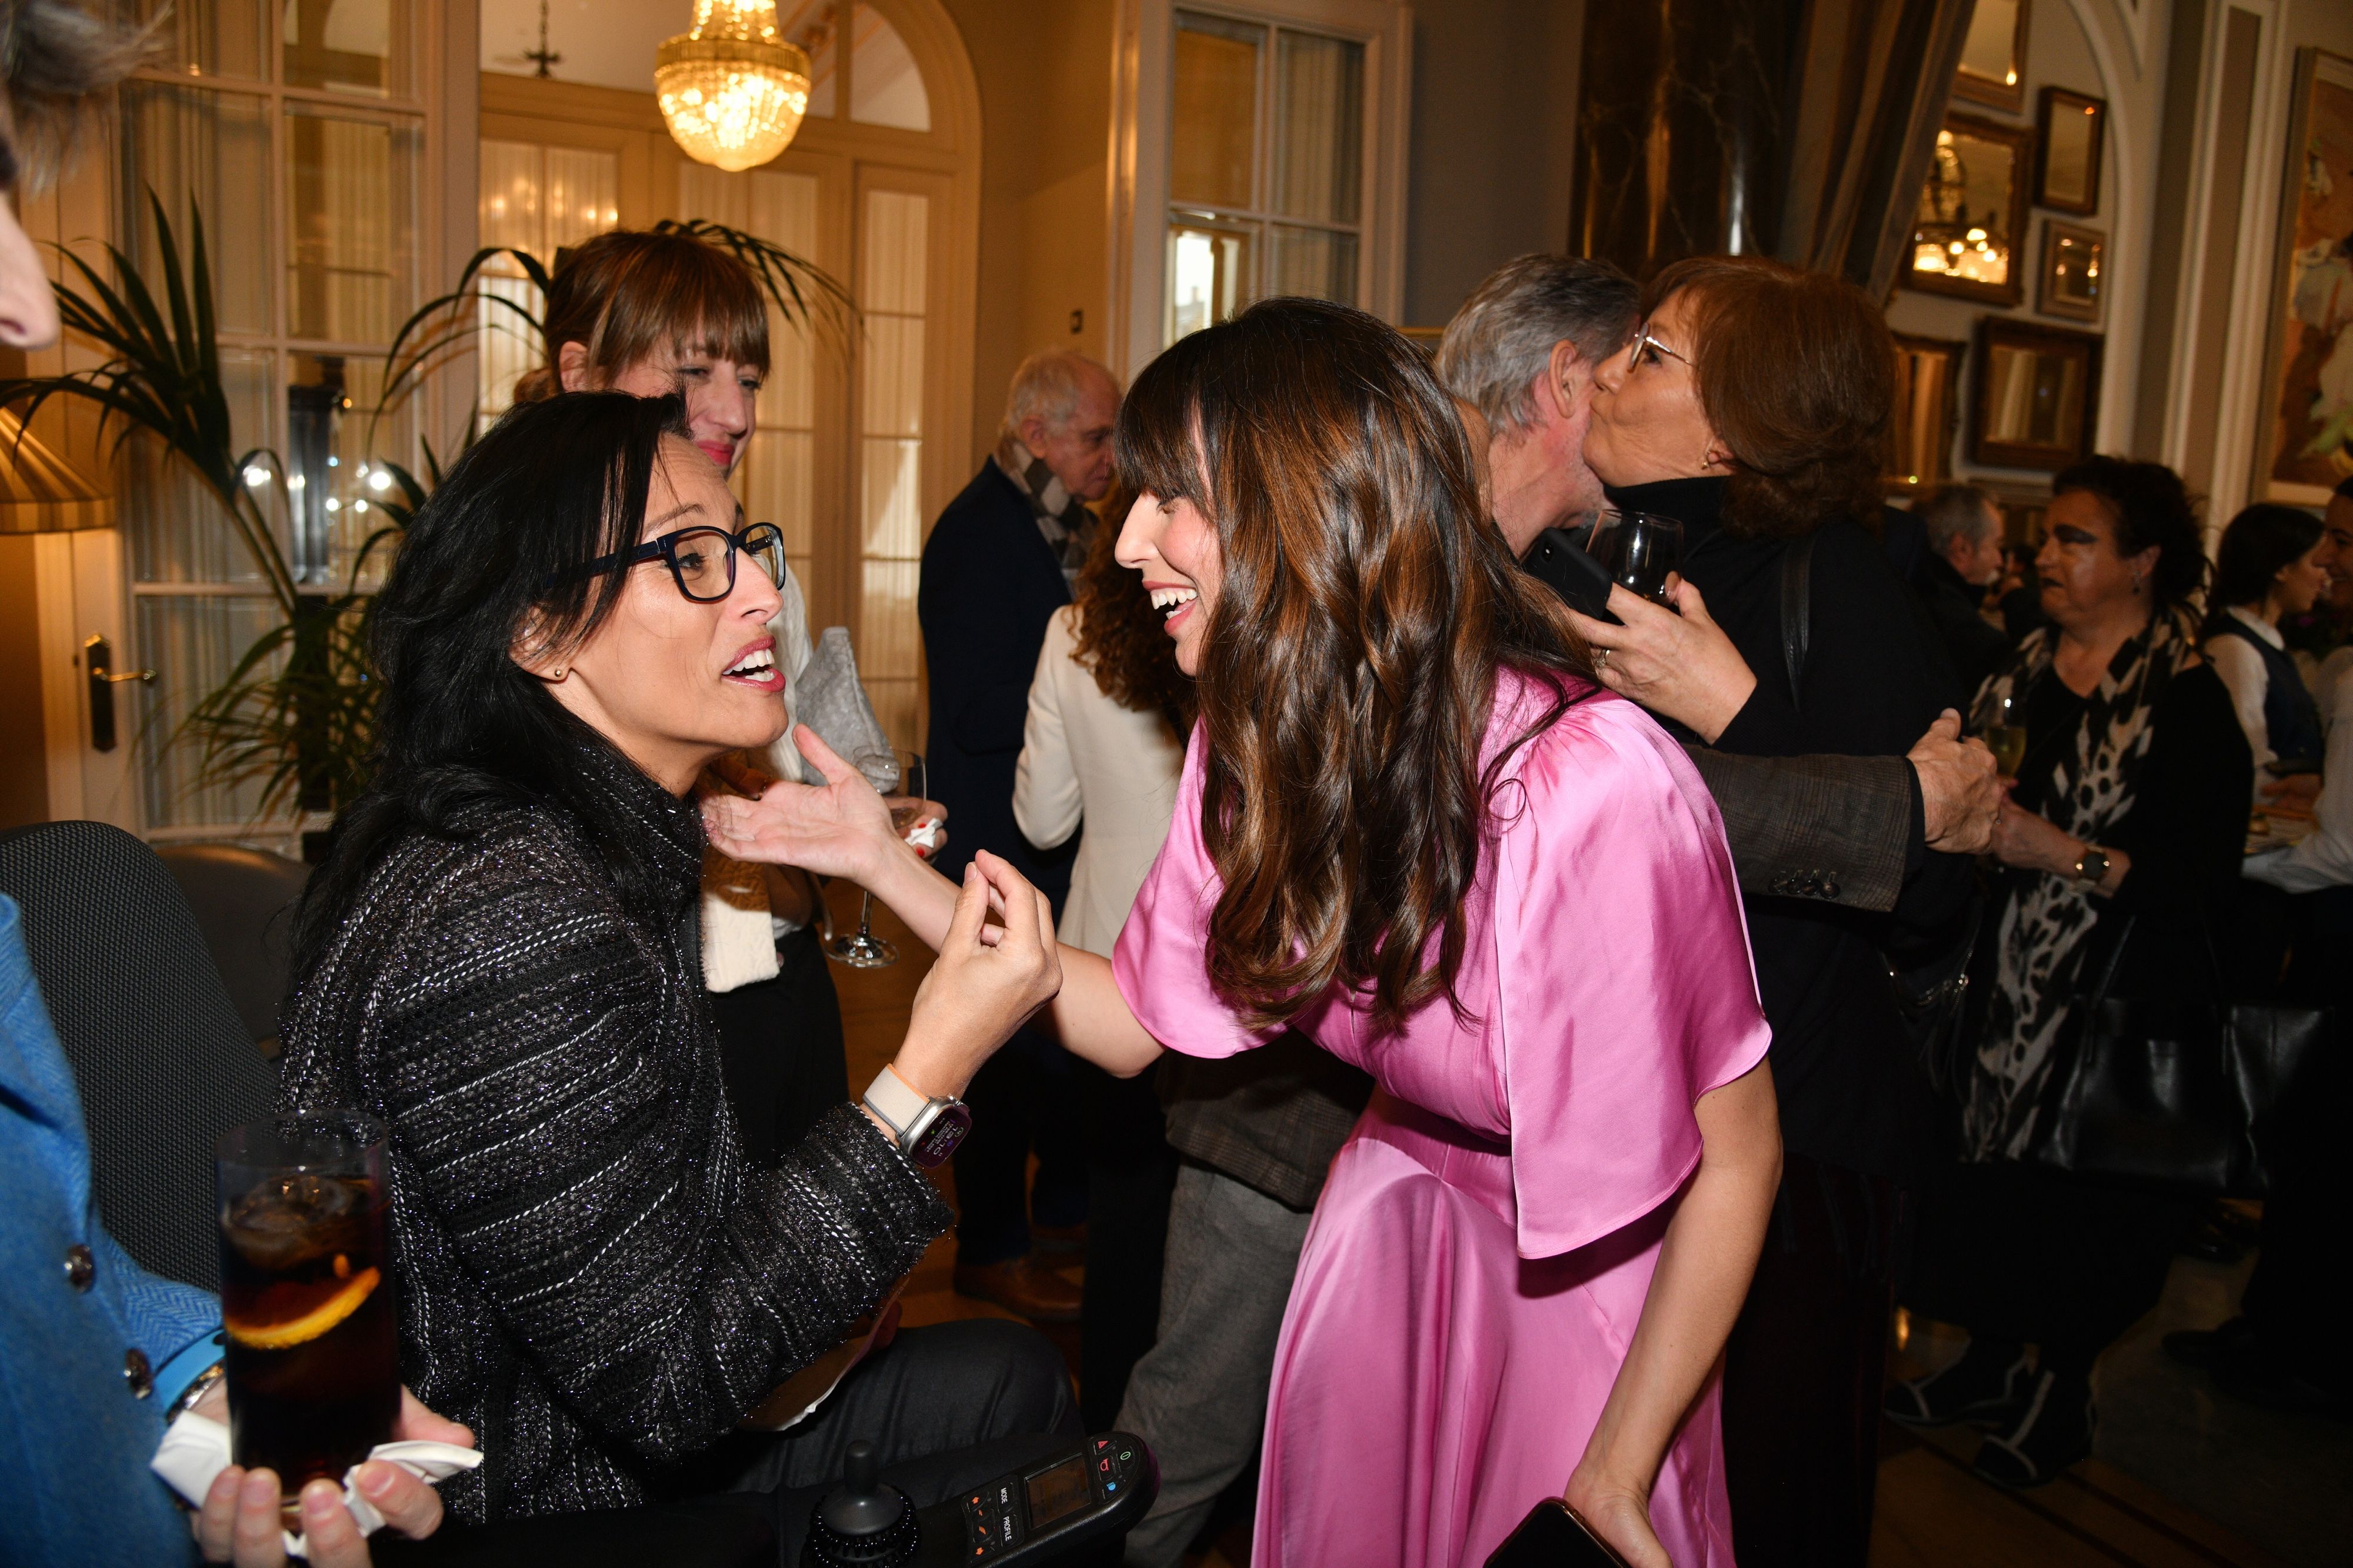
point(702, 560)
point(1646, 350)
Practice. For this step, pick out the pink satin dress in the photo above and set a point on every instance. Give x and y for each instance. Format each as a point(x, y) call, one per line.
point(1479, 1259)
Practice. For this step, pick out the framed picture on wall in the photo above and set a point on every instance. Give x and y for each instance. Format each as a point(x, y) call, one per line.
point(1969, 236)
point(2069, 130)
point(1993, 57)
point(2038, 391)
point(2074, 271)
point(2304, 448)
point(1926, 416)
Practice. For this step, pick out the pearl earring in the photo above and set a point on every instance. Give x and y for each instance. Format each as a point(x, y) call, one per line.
point(558, 673)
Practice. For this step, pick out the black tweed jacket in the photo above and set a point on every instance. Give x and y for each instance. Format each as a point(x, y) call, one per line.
point(592, 1277)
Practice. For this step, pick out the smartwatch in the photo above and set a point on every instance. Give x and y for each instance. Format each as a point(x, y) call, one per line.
point(2092, 865)
point(926, 1130)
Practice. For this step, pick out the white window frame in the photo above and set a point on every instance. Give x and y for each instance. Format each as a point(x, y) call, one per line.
point(1143, 92)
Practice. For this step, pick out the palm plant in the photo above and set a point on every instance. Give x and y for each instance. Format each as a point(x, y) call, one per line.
point(296, 715)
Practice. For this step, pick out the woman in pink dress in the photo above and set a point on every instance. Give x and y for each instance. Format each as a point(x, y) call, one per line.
point(1411, 826)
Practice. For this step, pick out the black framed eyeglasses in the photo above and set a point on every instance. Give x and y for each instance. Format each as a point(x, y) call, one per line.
point(702, 560)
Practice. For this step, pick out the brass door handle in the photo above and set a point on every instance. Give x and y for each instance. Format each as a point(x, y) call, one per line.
point(98, 660)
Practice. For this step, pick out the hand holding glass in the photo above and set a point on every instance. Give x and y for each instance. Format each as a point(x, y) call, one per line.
point(312, 1346)
point(902, 771)
point(1639, 551)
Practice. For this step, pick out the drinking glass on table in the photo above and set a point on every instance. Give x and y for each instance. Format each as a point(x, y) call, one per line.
point(2006, 737)
point(1639, 550)
point(312, 1348)
point(902, 786)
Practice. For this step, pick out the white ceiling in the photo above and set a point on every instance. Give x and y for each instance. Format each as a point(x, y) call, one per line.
point(609, 43)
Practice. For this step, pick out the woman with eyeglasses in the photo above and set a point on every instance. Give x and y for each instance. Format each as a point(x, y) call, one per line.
point(498, 960)
point(658, 313)
point(1750, 407)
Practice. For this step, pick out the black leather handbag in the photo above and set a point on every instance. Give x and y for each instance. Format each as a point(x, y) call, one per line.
point(2178, 1096)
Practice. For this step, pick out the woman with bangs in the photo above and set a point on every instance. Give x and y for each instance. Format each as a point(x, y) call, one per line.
point(1411, 826)
point(656, 314)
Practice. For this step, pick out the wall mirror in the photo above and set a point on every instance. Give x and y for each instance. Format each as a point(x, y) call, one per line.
point(1920, 434)
point(2073, 267)
point(2038, 389)
point(2069, 128)
point(1993, 57)
point(1968, 233)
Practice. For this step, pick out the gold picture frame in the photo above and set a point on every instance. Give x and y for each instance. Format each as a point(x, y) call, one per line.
point(2037, 397)
point(2071, 131)
point(2073, 275)
point(1993, 57)
point(2304, 442)
point(1928, 414)
point(1969, 230)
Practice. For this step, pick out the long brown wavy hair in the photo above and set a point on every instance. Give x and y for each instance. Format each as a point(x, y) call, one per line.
point(1348, 668)
point(1121, 641)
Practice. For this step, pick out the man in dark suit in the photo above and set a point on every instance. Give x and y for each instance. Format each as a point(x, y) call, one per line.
point(998, 565)
point(1964, 558)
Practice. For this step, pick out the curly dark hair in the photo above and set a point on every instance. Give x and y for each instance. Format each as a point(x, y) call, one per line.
point(1796, 372)
point(1120, 641)
point(2151, 508)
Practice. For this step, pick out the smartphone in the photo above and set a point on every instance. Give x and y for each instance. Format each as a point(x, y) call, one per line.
point(1555, 1535)
point(1570, 571)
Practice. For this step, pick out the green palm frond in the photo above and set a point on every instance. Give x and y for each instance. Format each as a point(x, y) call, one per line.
point(162, 376)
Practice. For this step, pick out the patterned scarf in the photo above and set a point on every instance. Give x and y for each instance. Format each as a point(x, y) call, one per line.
point(2087, 790)
point(1065, 521)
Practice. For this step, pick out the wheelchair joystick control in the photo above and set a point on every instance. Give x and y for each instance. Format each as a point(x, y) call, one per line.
point(863, 1523)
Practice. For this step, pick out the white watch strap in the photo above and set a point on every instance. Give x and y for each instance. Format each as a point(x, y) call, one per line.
point(889, 1098)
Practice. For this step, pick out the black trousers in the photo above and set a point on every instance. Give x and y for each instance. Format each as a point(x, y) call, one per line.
point(949, 1407)
point(2304, 1271)
point(2013, 1252)
point(1023, 1100)
point(1131, 1177)
point(780, 1049)
point(1803, 1369)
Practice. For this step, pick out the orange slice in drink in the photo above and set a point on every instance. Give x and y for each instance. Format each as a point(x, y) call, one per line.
point(301, 1330)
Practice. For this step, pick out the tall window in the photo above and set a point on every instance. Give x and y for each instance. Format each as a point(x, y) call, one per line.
point(296, 128)
point(1265, 168)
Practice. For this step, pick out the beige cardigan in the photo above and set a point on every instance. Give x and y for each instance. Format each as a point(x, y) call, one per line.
point(1085, 756)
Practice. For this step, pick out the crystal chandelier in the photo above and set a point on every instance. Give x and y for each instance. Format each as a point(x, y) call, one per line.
point(731, 89)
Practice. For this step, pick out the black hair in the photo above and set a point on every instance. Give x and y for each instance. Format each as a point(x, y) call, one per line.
point(2259, 542)
point(2150, 507)
point(493, 558)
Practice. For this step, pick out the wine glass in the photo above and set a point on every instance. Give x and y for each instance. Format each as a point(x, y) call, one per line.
point(1639, 550)
point(2006, 738)
point(899, 776)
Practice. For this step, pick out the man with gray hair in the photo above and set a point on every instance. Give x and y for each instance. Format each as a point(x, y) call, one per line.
point(1523, 351)
point(998, 565)
point(1963, 559)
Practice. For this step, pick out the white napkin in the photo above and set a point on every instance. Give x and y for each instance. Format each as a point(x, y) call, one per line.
point(196, 1450)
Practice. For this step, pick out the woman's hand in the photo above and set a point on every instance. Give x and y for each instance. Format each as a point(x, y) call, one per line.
point(985, 983)
point(239, 1523)
point(1620, 1514)
point(1680, 667)
point(2034, 844)
point(842, 829)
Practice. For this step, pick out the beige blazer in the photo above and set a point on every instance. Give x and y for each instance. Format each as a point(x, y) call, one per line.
point(1085, 757)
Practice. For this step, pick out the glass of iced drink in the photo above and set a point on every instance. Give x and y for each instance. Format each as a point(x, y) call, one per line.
point(314, 1352)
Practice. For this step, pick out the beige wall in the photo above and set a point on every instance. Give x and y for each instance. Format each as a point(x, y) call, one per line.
point(1044, 67)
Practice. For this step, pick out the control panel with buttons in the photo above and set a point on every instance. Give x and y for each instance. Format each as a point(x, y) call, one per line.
point(1043, 1510)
